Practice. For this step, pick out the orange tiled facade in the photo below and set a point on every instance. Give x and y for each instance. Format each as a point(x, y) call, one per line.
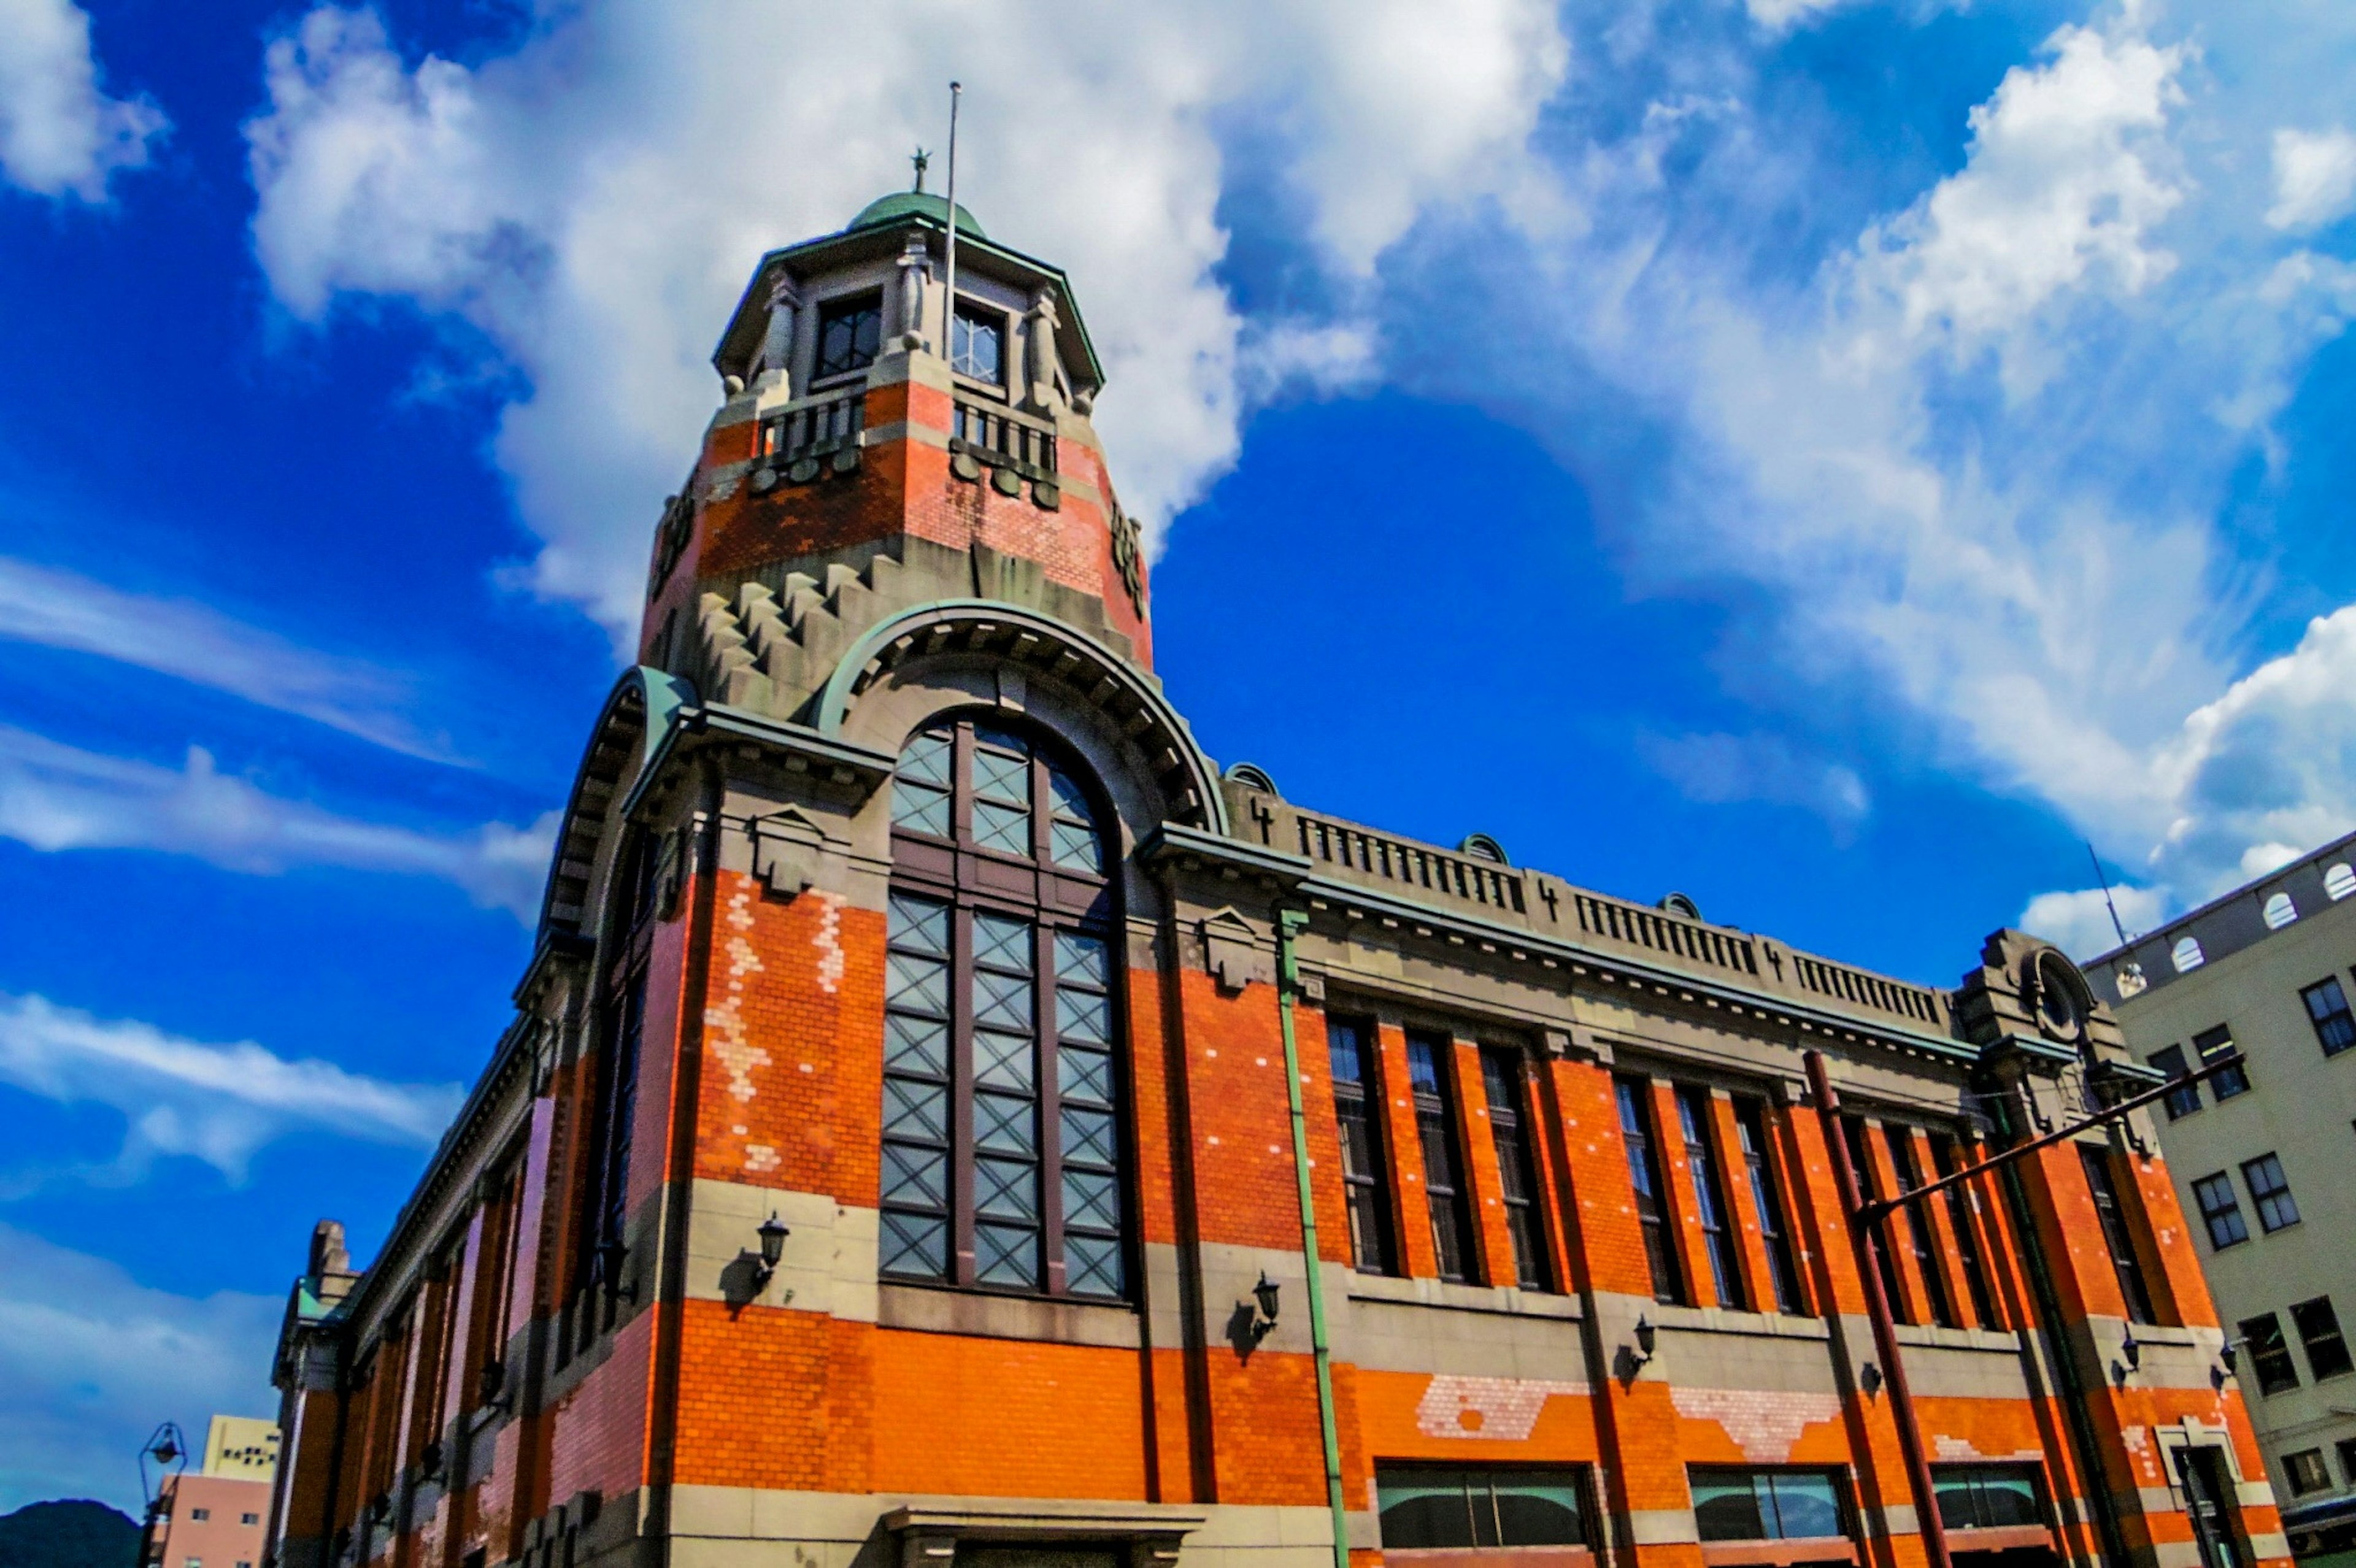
point(948, 1123)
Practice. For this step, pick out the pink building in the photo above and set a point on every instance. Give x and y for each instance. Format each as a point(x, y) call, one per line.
point(216, 1518)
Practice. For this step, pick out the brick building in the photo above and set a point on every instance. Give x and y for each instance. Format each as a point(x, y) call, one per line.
point(894, 1158)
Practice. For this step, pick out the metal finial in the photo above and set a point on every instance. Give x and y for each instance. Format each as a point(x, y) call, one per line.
point(923, 160)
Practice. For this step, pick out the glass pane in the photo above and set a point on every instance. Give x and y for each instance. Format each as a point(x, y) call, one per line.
point(915, 1111)
point(1538, 1508)
point(915, 1176)
point(1092, 1266)
point(1346, 1046)
point(1422, 1067)
point(920, 925)
point(1808, 1505)
point(1075, 845)
point(1086, 1074)
point(1088, 1135)
point(1423, 1509)
point(915, 1045)
point(1091, 1201)
point(1958, 1504)
point(1005, 1123)
point(928, 759)
point(1001, 1002)
point(1004, 828)
point(914, 1243)
point(2009, 1498)
point(1003, 944)
point(1084, 1016)
point(1003, 1061)
point(1083, 960)
point(921, 810)
point(1006, 1188)
point(1725, 1506)
point(974, 348)
point(1002, 768)
point(1006, 1254)
point(918, 985)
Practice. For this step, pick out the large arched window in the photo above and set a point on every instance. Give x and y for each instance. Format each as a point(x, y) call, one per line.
point(1002, 1145)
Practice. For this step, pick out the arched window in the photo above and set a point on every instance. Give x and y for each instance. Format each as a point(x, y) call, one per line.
point(1002, 1145)
point(2186, 954)
point(2279, 912)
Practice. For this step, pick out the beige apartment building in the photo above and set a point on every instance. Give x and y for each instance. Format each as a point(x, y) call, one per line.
point(218, 1516)
point(2262, 1154)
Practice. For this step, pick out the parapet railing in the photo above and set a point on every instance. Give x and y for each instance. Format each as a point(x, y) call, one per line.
point(1000, 438)
point(1678, 938)
point(1410, 865)
point(815, 427)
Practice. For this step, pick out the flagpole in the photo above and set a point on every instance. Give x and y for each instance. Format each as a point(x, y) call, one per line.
point(948, 303)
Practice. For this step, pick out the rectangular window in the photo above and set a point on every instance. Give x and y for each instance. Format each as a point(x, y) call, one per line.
point(1732, 1504)
point(2326, 1010)
point(2221, 1209)
point(1962, 1214)
point(1652, 1216)
point(1989, 1497)
point(249, 1519)
point(2307, 1472)
point(1767, 1203)
point(200, 1514)
point(2269, 1352)
point(917, 1090)
point(1443, 1168)
point(1434, 1508)
point(850, 335)
point(2213, 1043)
point(977, 346)
point(1709, 1197)
point(1918, 1227)
point(1869, 1181)
point(2346, 1449)
point(2185, 1098)
point(2117, 1240)
point(2270, 1190)
point(1501, 1076)
point(2318, 1330)
point(1351, 1047)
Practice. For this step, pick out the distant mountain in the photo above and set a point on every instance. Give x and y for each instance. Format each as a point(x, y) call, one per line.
point(76, 1534)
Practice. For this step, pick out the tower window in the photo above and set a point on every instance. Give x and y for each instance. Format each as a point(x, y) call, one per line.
point(978, 344)
point(1653, 1213)
point(1501, 1076)
point(1443, 1166)
point(1001, 1144)
point(850, 335)
point(1350, 1046)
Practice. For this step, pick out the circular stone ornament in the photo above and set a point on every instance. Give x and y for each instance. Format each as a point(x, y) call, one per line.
point(803, 470)
point(965, 466)
point(1048, 495)
point(765, 479)
point(1006, 482)
point(847, 460)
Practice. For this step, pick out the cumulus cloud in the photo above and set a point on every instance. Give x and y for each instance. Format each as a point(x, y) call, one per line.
point(1716, 769)
point(61, 135)
point(2079, 922)
point(592, 202)
point(195, 643)
point(91, 1359)
point(219, 1104)
point(55, 798)
point(2315, 177)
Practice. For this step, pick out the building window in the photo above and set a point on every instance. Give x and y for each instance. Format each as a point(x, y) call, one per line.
point(2318, 1330)
point(1429, 1508)
point(2117, 1240)
point(2269, 1353)
point(2185, 1098)
point(1652, 1215)
point(1501, 1077)
point(2221, 1209)
point(1988, 1496)
point(1350, 1044)
point(1868, 1180)
point(1767, 1203)
point(978, 344)
point(2279, 912)
point(1918, 1227)
point(850, 335)
point(1733, 1504)
point(1709, 1197)
point(199, 1515)
point(1963, 1215)
point(2346, 1449)
point(2187, 955)
point(249, 1519)
point(2340, 881)
point(2213, 1043)
point(2270, 1190)
point(2307, 1472)
point(1443, 1167)
point(2326, 1010)
point(1002, 1148)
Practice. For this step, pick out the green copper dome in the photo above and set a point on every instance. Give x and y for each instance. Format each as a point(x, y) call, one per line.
point(909, 203)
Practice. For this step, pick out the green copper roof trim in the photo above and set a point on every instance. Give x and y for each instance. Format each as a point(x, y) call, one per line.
point(915, 204)
point(834, 700)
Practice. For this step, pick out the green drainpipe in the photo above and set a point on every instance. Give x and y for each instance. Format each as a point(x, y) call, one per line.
point(1289, 923)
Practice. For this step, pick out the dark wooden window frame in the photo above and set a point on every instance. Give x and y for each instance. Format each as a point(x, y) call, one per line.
point(1714, 1209)
point(1505, 1081)
point(2327, 1010)
point(1656, 1214)
point(1751, 1119)
point(2270, 1193)
point(1971, 1245)
point(2119, 1233)
point(2209, 1045)
point(1365, 1186)
point(846, 307)
point(2318, 1335)
point(1869, 1179)
point(1447, 1174)
point(1053, 897)
point(1919, 1233)
point(2220, 1209)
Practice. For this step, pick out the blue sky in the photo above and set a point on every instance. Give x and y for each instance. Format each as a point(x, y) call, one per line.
point(1833, 457)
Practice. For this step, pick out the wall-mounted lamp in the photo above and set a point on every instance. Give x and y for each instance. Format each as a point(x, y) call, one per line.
point(2228, 1353)
point(611, 1255)
point(1868, 1378)
point(1647, 1337)
point(2131, 1352)
point(773, 1232)
point(1264, 1296)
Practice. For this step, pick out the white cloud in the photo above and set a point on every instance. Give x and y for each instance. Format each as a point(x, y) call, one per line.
point(2080, 925)
point(593, 202)
point(190, 641)
point(2315, 177)
point(219, 1104)
point(91, 1361)
point(60, 134)
point(54, 796)
point(1716, 769)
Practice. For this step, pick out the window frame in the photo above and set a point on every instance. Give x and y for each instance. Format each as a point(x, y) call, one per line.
point(1768, 1505)
point(1481, 1482)
point(1366, 1193)
point(1972, 1477)
point(1504, 1082)
point(2325, 1331)
point(1963, 1216)
point(2335, 1027)
point(2233, 1081)
point(982, 314)
point(2206, 1187)
point(2275, 1197)
point(1919, 1234)
point(851, 304)
point(1783, 1275)
point(1647, 1183)
point(1713, 1211)
point(2184, 1099)
point(2318, 1479)
point(975, 882)
point(2269, 1350)
point(1859, 1136)
point(1448, 1199)
point(2118, 1234)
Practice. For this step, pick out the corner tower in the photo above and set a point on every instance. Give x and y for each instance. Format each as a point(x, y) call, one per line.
point(880, 450)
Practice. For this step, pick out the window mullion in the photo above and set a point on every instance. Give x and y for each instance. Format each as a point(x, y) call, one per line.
point(1046, 1012)
point(961, 972)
